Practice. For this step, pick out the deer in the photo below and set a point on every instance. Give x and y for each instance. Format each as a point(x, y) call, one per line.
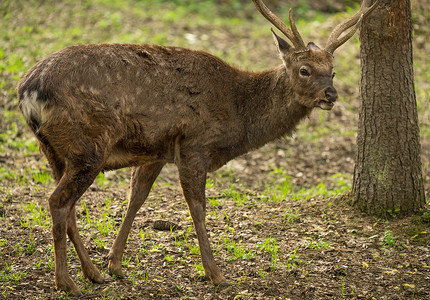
point(100, 107)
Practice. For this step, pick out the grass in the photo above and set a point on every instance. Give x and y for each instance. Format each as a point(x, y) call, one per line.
point(9, 274)
point(271, 247)
point(236, 249)
point(286, 190)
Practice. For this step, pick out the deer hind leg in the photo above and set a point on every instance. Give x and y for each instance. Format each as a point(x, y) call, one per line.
point(70, 188)
point(193, 180)
point(142, 179)
point(58, 166)
point(88, 269)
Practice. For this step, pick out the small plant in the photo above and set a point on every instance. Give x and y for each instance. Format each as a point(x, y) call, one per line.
point(280, 191)
point(101, 179)
point(200, 269)
point(194, 249)
point(30, 248)
point(389, 239)
point(42, 176)
point(50, 258)
point(270, 246)
point(9, 275)
point(126, 262)
point(342, 289)
point(293, 261)
point(210, 183)
point(394, 213)
point(38, 264)
point(144, 275)
point(34, 214)
point(320, 244)
point(235, 195)
point(213, 201)
point(132, 277)
point(237, 249)
point(262, 273)
point(86, 213)
point(291, 217)
point(100, 243)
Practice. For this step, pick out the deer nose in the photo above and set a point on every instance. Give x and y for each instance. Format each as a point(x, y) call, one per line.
point(330, 94)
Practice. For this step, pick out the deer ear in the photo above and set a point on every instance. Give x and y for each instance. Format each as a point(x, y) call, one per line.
point(281, 44)
point(312, 46)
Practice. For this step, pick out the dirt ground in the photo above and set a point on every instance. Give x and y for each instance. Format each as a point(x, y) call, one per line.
point(318, 248)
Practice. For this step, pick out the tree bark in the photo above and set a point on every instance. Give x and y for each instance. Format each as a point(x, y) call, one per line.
point(387, 176)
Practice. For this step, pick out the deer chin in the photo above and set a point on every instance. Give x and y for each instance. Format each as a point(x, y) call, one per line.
point(324, 104)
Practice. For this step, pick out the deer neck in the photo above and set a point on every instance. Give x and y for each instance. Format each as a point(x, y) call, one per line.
point(273, 110)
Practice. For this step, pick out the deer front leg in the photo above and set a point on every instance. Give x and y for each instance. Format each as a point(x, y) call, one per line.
point(193, 181)
point(142, 179)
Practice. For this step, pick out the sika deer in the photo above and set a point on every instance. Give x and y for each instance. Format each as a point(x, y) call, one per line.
point(110, 106)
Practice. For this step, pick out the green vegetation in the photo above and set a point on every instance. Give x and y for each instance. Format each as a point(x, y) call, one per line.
point(286, 190)
point(8, 273)
point(271, 247)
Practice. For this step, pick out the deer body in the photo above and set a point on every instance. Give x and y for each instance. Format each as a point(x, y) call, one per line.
point(139, 103)
point(109, 106)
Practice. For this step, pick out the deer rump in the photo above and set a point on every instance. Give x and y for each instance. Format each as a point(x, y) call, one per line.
point(137, 100)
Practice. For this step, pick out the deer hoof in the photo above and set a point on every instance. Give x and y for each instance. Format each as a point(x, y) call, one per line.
point(70, 287)
point(117, 273)
point(94, 275)
point(102, 279)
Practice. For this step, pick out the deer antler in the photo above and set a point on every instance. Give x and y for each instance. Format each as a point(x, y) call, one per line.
point(334, 41)
point(292, 34)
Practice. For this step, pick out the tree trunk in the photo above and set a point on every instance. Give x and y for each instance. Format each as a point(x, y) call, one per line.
point(388, 177)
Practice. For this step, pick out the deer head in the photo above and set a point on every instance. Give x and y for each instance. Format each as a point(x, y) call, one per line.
point(309, 67)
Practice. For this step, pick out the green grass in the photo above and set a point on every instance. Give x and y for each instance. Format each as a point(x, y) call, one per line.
point(318, 244)
point(271, 247)
point(291, 216)
point(285, 190)
point(389, 240)
point(10, 275)
point(236, 249)
point(34, 214)
point(236, 196)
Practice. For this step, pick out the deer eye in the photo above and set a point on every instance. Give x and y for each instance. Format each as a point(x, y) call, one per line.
point(332, 75)
point(304, 72)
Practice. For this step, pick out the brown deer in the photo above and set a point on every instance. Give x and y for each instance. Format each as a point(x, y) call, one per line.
point(109, 106)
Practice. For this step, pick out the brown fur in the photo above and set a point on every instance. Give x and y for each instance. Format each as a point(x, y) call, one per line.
point(109, 106)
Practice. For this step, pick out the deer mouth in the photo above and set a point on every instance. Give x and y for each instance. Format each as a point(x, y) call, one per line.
point(325, 104)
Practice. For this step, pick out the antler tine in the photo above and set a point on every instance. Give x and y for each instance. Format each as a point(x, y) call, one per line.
point(292, 34)
point(294, 29)
point(333, 41)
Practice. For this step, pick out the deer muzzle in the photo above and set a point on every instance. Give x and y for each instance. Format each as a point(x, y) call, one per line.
point(330, 97)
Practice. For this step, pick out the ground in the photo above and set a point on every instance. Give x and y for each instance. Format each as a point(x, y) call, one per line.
point(278, 218)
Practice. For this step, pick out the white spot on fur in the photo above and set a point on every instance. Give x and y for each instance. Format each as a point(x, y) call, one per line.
point(94, 91)
point(31, 108)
